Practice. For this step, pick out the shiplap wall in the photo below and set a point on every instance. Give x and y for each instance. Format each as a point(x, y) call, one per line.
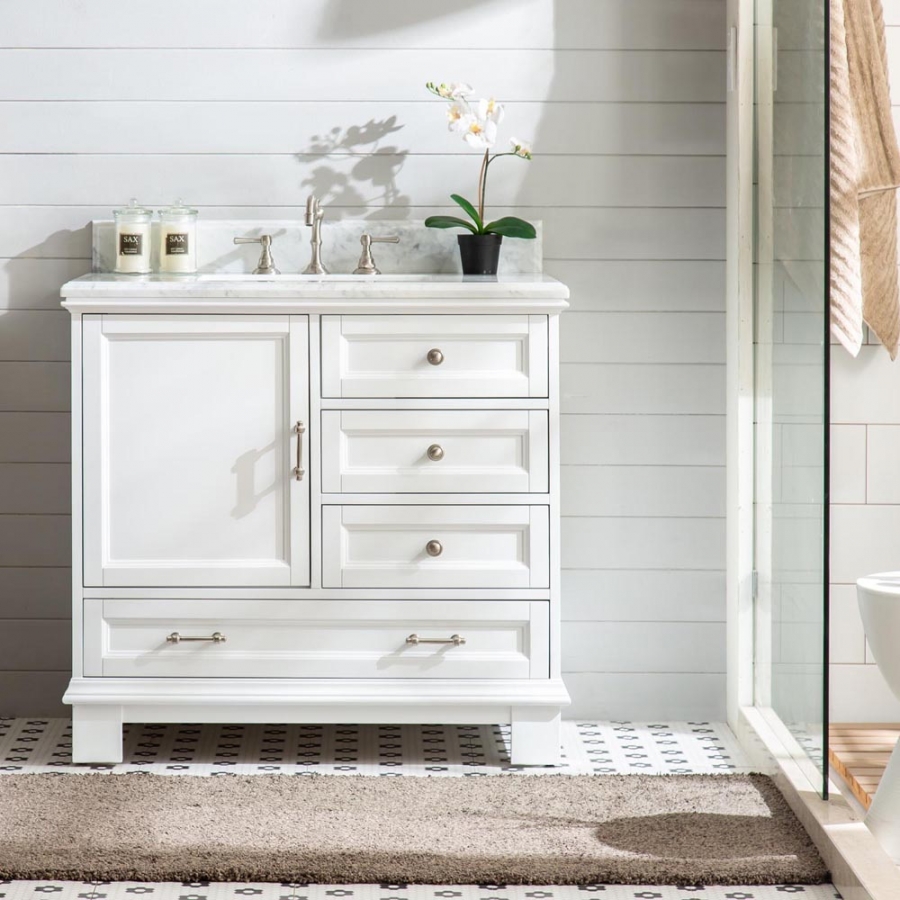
point(865, 491)
point(232, 106)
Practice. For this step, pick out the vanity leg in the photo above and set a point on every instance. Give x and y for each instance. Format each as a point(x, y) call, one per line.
point(535, 736)
point(96, 734)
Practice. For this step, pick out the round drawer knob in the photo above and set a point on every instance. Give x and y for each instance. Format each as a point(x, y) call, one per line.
point(435, 357)
point(435, 452)
point(434, 548)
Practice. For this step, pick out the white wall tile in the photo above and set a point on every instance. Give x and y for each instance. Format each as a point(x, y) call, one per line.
point(860, 694)
point(864, 540)
point(847, 638)
point(848, 463)
point(883, 464)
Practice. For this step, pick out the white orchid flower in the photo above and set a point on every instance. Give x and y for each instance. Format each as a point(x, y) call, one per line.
point(490, 109)
point(456, 90)
point(521, 148)
point(458, 116)
point(481, 133)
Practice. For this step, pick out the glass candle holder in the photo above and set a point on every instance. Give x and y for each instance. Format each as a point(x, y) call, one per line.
point(177, 240)
point(133, 239)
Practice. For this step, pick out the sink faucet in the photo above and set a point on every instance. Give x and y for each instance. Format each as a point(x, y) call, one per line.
point(314, 216)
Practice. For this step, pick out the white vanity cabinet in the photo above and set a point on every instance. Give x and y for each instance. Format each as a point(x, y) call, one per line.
point(315, 501)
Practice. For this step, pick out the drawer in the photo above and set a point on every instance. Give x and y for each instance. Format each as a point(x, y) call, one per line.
point(434, 356)
point(453, 451)
point(435, 546)
point(313, 639)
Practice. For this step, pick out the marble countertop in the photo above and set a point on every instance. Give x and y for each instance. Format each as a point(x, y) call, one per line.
point(312, 293)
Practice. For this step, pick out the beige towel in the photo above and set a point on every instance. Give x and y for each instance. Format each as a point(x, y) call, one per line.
point(865, 171)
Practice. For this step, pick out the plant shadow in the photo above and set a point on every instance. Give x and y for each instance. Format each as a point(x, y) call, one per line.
point(354, 167)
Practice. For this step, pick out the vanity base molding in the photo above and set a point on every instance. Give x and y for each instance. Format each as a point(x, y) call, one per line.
point(100, 706)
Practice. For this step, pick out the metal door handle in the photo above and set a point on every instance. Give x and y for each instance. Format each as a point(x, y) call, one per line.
point(299, 471)
point(216, 638)
point(453, 639)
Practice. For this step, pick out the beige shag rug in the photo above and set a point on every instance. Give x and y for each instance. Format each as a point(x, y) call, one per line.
point(506, 829)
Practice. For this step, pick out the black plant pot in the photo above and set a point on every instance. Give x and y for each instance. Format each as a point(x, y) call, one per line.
point(480, 253)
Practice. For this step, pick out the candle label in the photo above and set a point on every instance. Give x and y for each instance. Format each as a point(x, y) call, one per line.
point(131, 244)
point(176, 244)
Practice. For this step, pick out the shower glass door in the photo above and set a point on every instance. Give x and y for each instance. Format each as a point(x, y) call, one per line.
point(792, 359)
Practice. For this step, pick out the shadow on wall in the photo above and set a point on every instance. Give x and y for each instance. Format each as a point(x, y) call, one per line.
point(347, 19)
point(352, 167)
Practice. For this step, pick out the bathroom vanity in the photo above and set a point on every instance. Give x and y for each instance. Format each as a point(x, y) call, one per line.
point(315, 499)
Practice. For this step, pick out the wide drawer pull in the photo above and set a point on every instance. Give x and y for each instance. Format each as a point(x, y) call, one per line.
point(216, 638)
point(454, 639)
point(434, 548)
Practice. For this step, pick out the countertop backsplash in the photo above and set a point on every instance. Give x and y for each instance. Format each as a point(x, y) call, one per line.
point(421, 250)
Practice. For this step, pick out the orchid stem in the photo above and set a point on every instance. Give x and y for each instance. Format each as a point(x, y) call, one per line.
point(482, 183)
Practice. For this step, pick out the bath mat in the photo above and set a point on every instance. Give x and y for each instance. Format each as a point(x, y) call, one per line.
point(503, 829)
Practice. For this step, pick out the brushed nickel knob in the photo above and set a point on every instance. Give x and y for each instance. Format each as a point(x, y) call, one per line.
point(435, 452)
point(435, 357)
point(434, 548)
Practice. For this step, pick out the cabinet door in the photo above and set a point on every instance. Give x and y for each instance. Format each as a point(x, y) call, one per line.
point(190, 443)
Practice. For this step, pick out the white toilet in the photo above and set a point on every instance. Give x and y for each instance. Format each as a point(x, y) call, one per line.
point(879, 605)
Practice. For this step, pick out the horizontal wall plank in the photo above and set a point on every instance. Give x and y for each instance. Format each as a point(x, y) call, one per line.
point(617, 543)
point(645, 286)
point(647, 440)
point(397, 24)
point(28, 645)
point(642, 596)
point(646, 647)
point(268, 127)
point(358, 180)
point(601, 490)
point(35, 541)
point(34, 387)
point(34, 283)
point(391, 74)
point(35, 437)
point(35, 488)
point(642, 337)
point(647, 697)
point(37, 593)
point(63, 232)
point(31, 694)
point(35, 335)
point(642, 389)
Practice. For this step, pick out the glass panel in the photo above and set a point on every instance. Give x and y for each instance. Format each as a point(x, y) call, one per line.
point(792, 352)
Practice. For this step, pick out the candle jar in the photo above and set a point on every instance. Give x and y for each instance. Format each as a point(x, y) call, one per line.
point(133, 239)
point(177, 240)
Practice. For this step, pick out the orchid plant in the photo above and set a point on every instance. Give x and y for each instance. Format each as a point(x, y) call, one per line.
point(476, 122)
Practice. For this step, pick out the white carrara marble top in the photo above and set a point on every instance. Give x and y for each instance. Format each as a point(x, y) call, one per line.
point(108, 293)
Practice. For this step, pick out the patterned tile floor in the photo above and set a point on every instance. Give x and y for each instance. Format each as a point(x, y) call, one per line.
point(44, 745)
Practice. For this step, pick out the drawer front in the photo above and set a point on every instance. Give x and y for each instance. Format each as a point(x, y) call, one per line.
point(434, 356)
point(435, 547)
point(311, 639)
point(458, 451)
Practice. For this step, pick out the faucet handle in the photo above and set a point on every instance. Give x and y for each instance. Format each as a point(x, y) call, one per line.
point(266, 265)
point(366, 265)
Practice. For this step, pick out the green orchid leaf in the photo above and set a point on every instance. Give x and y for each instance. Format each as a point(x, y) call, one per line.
point(449, 222)
point(511, 226)
point(470, 209)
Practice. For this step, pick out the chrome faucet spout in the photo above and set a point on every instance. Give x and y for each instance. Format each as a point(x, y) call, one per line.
point(314, 215)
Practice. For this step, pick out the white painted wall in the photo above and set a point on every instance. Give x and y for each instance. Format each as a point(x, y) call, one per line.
point(865, 488)
point(221, 102)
